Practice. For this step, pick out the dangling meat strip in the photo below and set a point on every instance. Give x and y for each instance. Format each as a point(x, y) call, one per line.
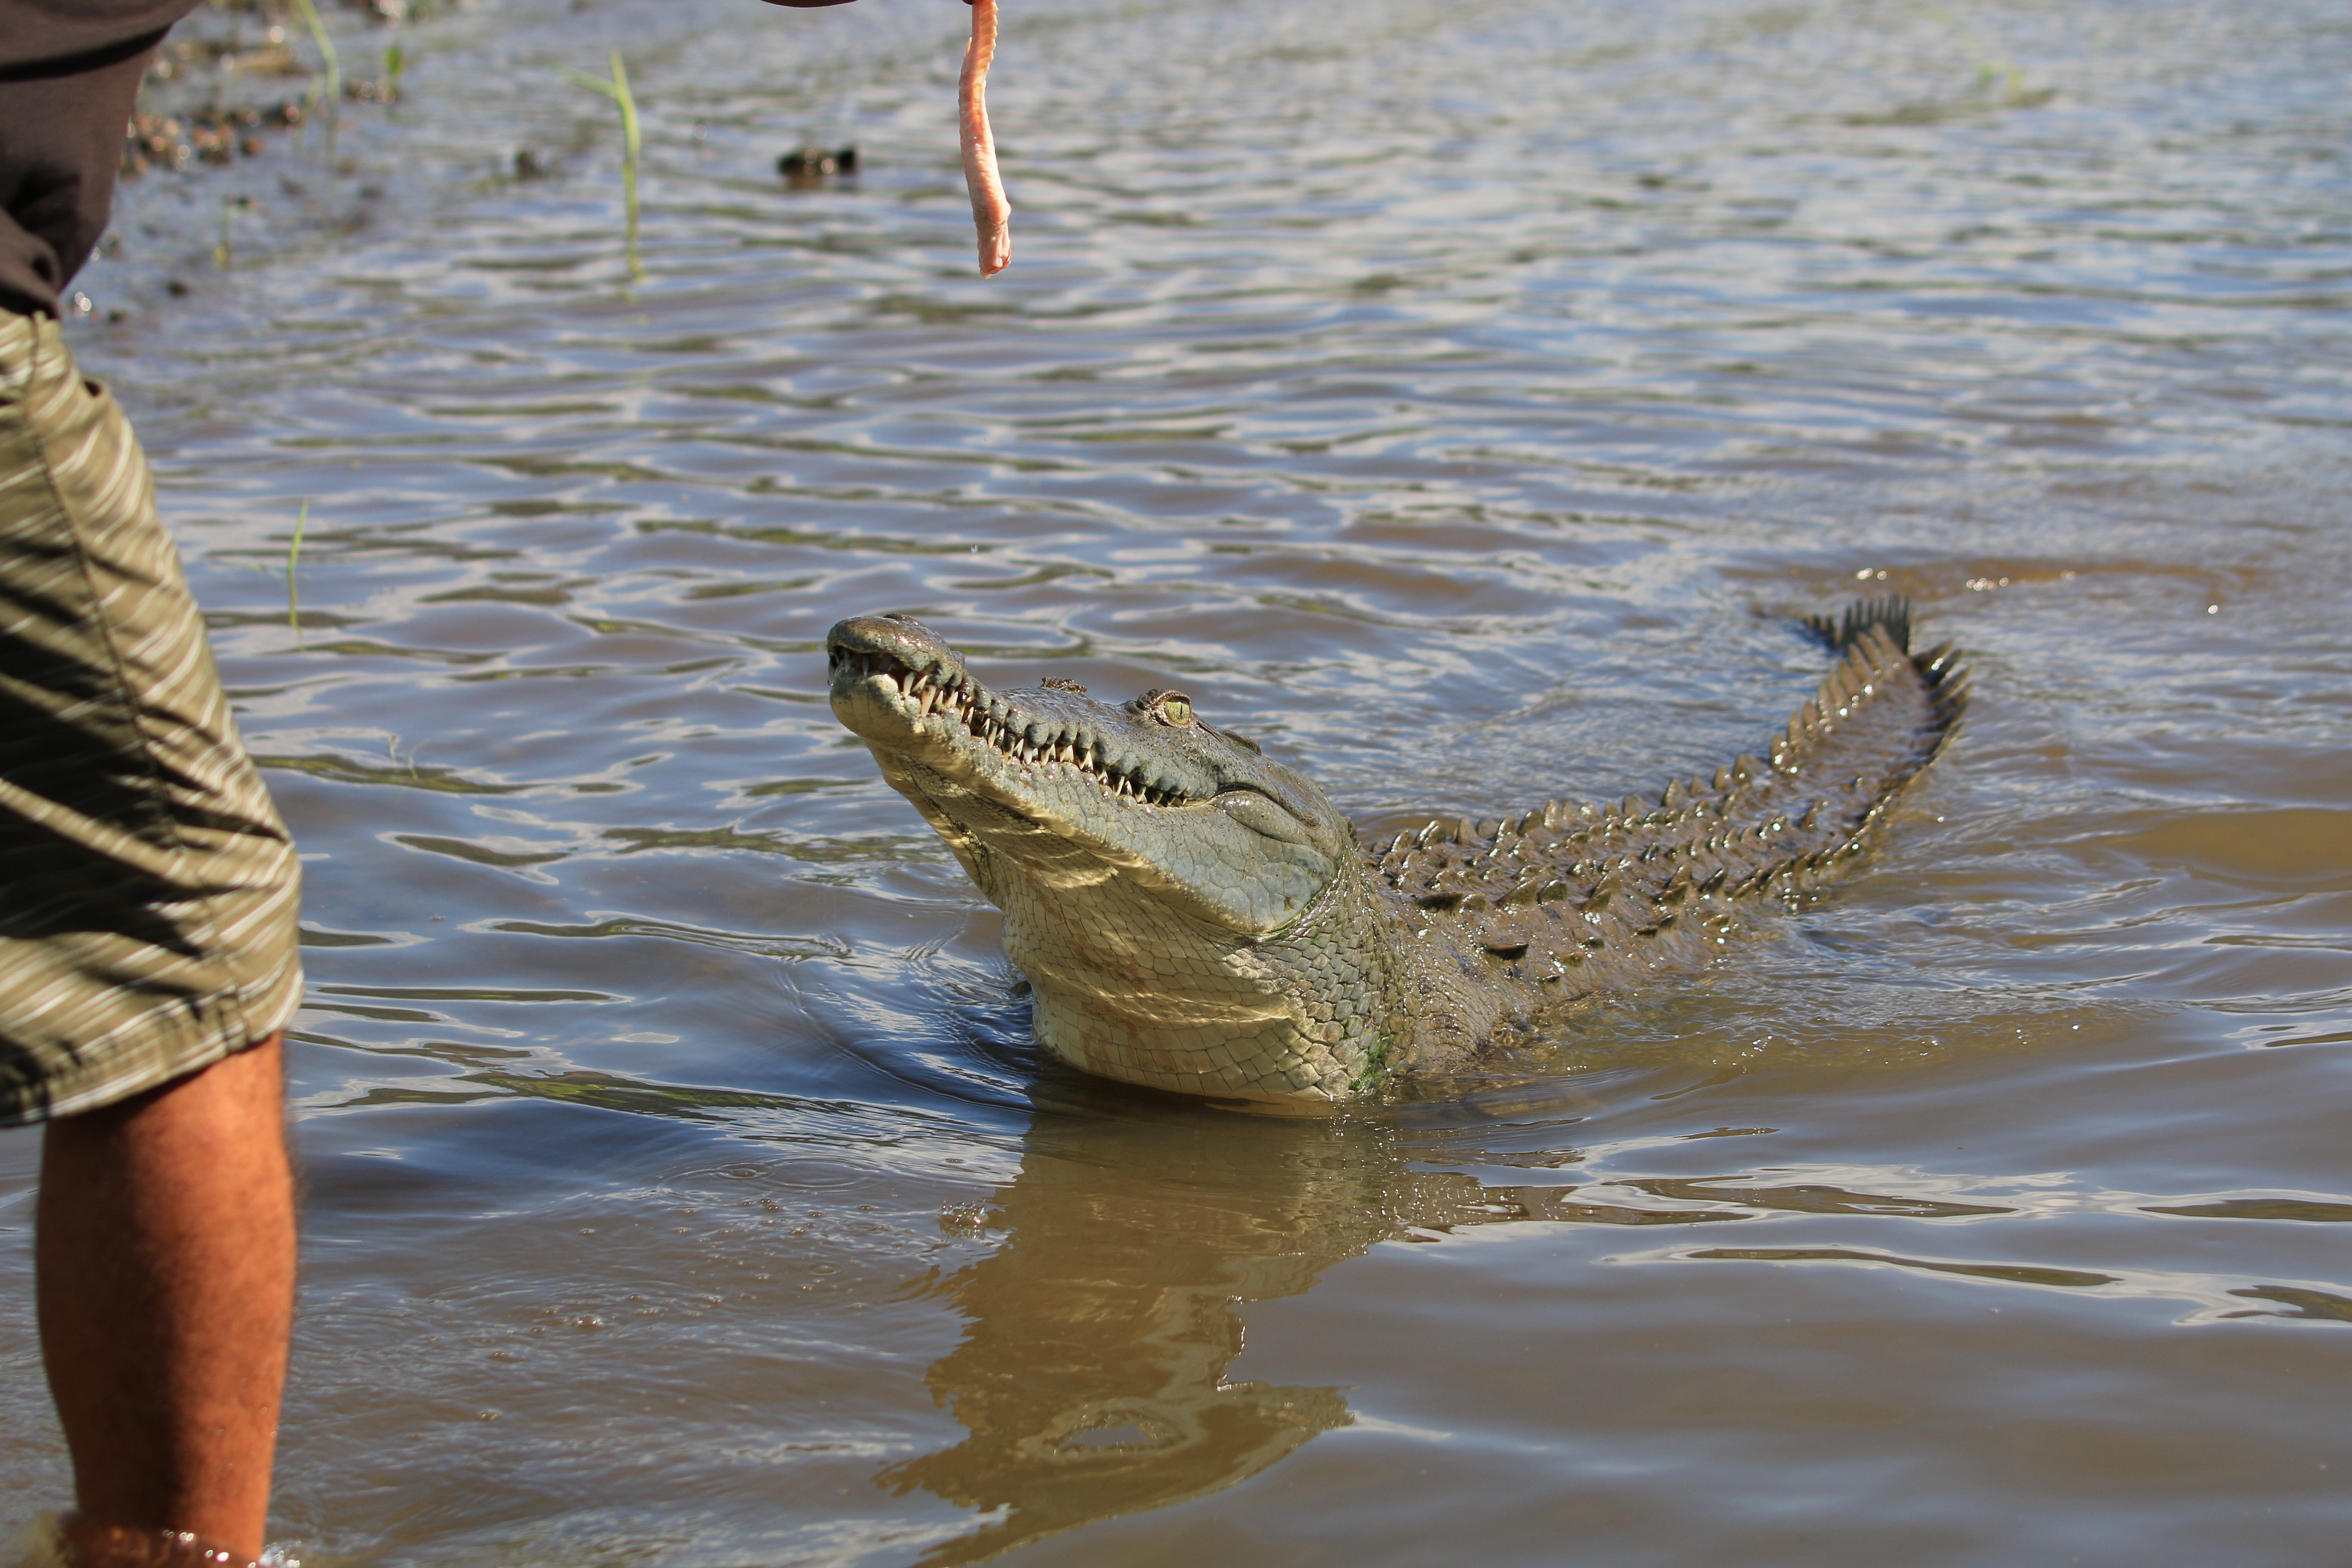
point(992, 215)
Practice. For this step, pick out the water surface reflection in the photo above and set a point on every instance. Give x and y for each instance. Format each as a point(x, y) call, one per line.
point(1091, 1375)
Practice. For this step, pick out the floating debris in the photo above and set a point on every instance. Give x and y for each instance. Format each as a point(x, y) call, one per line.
point(806, 166)
point(188, 115)
point(212, 134)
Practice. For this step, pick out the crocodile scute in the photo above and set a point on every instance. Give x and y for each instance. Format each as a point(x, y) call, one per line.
point(1193, 916)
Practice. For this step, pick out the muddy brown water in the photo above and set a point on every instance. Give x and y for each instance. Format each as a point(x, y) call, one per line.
point(1460, 399)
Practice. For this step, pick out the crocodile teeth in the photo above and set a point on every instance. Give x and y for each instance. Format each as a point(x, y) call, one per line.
point(1014, 734)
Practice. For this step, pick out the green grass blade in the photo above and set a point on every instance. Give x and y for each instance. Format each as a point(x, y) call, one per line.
point(293, 559)
point(333, 91)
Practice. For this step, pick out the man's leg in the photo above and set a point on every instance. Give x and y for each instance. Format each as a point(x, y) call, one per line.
point(166, 1254)
point(147, 933)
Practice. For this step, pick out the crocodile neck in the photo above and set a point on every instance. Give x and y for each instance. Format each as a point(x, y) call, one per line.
point(1359, 986)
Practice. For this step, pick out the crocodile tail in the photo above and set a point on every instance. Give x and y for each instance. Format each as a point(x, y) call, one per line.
point(1572, 882)
point(1881, 714)
point(1891, 615)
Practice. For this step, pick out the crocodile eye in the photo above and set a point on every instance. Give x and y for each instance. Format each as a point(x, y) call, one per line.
point(1172, 708)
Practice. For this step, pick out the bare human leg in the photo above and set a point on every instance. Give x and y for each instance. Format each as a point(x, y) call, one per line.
point(165, 1253)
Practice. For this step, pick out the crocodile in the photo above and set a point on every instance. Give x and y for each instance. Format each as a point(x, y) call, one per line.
point(1193, 916)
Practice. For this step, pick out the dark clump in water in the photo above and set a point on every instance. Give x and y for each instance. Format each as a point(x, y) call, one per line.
point(807, 167)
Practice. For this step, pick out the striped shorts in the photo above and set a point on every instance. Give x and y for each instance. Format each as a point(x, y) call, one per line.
point(147, 886)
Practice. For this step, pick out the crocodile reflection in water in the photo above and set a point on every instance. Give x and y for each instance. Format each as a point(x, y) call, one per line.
point(1091, 1375)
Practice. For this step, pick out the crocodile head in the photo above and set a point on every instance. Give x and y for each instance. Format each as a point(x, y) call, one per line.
point(1151, 866)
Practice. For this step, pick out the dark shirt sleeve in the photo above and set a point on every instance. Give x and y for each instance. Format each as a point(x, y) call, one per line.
point(69, 72)
point(37, 31)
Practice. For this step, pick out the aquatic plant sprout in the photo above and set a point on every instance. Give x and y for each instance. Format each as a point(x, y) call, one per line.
point(293, 559)
point(332, 89)
point(617, 89)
